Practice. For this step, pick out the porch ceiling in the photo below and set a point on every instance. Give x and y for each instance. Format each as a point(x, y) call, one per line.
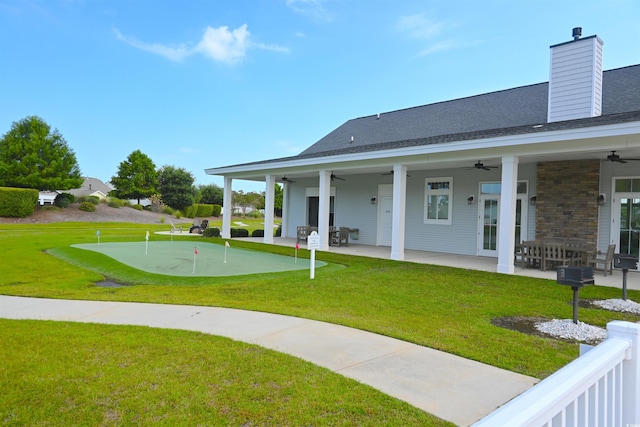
point(489, 157)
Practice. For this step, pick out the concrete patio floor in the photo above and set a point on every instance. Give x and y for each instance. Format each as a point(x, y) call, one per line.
point(460, 261)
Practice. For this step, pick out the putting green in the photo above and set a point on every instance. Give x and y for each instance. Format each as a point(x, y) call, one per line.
point(180, 258)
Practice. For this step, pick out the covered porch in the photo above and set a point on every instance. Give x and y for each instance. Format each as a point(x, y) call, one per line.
point(469, 262)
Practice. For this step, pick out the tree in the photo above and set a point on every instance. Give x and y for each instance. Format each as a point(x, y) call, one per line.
point(211, 194)
point(176, 187)
point(34, 156)
point(136, 179)
point(248, 200)
point(277, 200)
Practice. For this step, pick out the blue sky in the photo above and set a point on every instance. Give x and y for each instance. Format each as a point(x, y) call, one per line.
point(207, 83)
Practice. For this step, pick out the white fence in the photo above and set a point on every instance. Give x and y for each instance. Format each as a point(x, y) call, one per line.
point(600, 388)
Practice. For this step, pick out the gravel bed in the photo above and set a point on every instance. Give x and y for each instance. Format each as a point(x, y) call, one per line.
point(566, 329)
point(626, 306)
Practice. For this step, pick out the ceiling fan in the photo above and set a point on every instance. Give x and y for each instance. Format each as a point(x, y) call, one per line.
point(333, 176)
point(480, 165)
point(285, 179)
point(613, 157)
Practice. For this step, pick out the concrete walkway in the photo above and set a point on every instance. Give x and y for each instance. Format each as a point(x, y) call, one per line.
point(453, 388)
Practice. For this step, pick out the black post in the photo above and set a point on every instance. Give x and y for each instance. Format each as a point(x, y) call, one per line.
point(575, 304)
point(624, 283)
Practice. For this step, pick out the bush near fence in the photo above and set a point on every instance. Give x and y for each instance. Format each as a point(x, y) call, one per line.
point(17, 202)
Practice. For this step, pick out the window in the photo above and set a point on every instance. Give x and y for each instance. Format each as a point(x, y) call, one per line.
point(627, 185)
point(438, 200)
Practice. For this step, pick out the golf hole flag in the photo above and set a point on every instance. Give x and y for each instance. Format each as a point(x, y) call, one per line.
point(195, 252)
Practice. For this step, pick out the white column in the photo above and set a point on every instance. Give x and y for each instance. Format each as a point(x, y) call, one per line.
point(268, 208)
point(323, 209)
point(398, 213)
point(285, 210)
point(227, 208)
point(631, 368)
point(507, 215)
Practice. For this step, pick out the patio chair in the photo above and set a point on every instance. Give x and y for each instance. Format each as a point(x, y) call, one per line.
point(339, 236)
point(199, 226)
point(607, 260)
point(555, 254)
point(532, 254)
point(175, 229)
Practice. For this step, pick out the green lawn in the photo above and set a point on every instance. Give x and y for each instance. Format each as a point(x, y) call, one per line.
point(444, 308)
point(69, 374)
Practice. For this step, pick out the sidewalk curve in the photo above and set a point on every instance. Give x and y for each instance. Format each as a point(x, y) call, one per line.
point(453, 388)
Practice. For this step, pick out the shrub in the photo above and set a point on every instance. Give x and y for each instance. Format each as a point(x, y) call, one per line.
point(94, 199)
point(254, 214)
point(278, 231)
point(114, 202)
point(257, 233)
point(190, 212)
point(167, 210)
point(178, 214)
point(63, 200)
point(217, 210)
point(17, 202)
point(137, 207)
point(87, 207)
point(239, 232)
point(204, 210)
point(211, 232)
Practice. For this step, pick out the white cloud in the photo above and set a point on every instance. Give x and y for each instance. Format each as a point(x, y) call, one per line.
point(424, 29)
point(447, 45)
point(313, 8)
point(174, 53)
point(220, 44)
point(223, 45)
point(420, 27)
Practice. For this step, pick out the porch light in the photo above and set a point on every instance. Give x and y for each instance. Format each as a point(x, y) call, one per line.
point(471, 199)
point(373, 200)
point(602, 199)
point(532, 200)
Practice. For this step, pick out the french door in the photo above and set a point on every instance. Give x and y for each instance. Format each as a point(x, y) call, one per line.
point(626, 223)
point(489, 216)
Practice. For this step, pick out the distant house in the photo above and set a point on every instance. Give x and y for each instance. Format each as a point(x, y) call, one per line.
point(476, 175)
point(92, 187)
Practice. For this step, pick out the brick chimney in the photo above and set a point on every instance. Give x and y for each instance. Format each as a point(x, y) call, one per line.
point(575, 78)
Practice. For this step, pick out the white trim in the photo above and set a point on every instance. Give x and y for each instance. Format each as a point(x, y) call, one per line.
point(269, 202)
point(315, 192)
point(529, 140)
point(398, 216)
point(438, 192)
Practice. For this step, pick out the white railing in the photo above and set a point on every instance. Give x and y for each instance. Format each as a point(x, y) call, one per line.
point(600, 388)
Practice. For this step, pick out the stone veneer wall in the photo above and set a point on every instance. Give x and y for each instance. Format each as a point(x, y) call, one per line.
point(567, 200)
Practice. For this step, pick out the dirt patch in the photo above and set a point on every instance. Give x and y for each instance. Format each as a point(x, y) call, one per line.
point(103, 213)
point(526, 325)
point(110, 284)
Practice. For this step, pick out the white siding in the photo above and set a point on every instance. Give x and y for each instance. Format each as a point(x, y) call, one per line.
point(575, 82)
point(353, 208)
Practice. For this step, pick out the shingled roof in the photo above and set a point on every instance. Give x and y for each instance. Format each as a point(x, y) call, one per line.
point(508, 111)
